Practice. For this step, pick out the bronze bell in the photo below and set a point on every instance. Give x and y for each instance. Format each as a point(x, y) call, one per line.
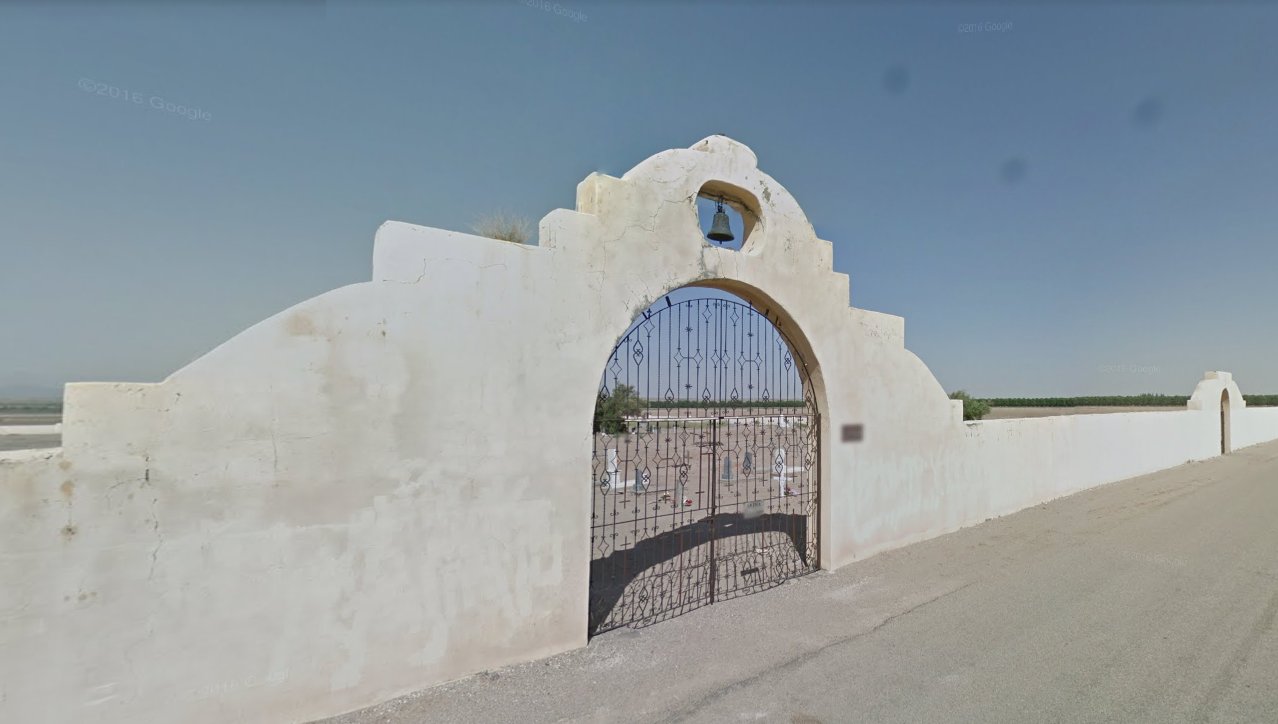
point(720, 228)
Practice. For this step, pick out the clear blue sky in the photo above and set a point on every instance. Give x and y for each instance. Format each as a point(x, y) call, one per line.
point(1085, 202)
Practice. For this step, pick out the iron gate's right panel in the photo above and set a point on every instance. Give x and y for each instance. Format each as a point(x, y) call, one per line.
point(705, 466)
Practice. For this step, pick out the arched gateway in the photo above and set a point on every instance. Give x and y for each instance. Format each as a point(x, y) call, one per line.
point(705, 463)
point(1224, 421)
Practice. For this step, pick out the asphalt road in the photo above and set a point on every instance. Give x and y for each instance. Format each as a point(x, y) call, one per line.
point(29, 442)
point(1150, 600)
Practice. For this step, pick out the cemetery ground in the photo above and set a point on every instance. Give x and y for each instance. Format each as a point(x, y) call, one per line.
point(1150, 599)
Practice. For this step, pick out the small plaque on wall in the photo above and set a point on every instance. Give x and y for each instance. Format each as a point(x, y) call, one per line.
point(853, 433)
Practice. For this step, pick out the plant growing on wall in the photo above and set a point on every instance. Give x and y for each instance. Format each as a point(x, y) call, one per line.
point(611, 410)
point(504, 226)
point(973, 409)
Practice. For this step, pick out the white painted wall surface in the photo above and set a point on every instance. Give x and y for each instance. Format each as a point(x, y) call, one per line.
point(387, 486)
point(1254, 425)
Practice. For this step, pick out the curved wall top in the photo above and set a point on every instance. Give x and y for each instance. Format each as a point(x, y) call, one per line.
point(1207, 393)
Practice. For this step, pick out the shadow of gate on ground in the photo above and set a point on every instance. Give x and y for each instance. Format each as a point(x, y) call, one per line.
point(670, 591)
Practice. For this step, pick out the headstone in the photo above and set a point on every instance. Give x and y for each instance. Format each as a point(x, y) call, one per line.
point(778, 467)
point(747, 465)
point(727, 468)
point(614, 478)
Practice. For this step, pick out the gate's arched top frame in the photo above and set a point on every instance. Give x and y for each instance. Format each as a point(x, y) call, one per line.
point(774, 324)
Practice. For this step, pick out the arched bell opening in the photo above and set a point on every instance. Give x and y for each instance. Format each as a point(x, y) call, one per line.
point(729, 215)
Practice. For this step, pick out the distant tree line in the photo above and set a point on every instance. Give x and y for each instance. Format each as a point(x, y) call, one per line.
point(973, 409)
point(701, 404)
point(48, 408)
point(612, 409)
point(1146, 400)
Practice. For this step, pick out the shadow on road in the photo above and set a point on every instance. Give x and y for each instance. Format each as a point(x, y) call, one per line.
point(677, 584)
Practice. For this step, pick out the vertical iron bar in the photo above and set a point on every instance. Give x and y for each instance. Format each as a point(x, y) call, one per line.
point(714, 570)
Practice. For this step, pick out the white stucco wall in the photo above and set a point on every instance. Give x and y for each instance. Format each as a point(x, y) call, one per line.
point(1254, 425)
point(386, 486)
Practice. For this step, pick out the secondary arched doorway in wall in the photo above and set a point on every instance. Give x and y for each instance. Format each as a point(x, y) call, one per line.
point(706, 475)
point(1224, 422)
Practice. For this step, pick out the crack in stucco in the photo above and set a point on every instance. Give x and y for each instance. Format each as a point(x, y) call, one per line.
point(426, 263)
point(651, 226)
point(421, 276)
point(159, 537)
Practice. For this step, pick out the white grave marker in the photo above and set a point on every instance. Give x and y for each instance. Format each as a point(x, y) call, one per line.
point(778, 467)
point(614, 477)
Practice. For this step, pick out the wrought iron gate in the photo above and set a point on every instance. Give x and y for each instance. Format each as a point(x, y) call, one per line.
point(705, 467)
